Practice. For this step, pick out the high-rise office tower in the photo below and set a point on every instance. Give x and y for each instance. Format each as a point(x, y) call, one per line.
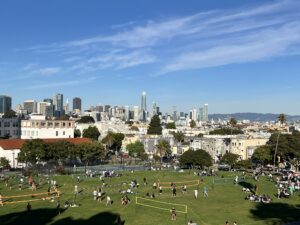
point(45, 108)
point(154, 109)
point(5, 103)
point(30, 106)
point(66, 107)
point(175, 116)
point(76, 103)
point(205, 112)
point(135, 113)
point(127, 113)
point(201, 115)
point(58, 103)
point(144, 106)
point(194, 115)
point(51, 109)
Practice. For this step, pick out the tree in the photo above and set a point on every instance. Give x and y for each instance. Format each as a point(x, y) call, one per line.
point(262, 154)
point(91, 132)
point(233, 122)
point(129, 122)
point(77, 133)
point(179, 136)
point(134, 128)
point(282, 119)
point(9, 114)
point(170, 126)
point(32, 151)
point(113, 140)
point(226, 131)
point(230, 159)
point(200, 135)
point(163, 148)
point(155, 126)
point(90, 152)
point(137, 149)
point(59, 152)
point(4, 162)
point(86, 119)
point(193, 124)
point(245, 164)
point(192, 158)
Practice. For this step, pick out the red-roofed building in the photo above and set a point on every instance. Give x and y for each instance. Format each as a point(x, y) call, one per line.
point(10, 148)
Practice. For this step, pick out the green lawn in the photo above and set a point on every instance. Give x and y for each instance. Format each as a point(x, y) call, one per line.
point(225, 202)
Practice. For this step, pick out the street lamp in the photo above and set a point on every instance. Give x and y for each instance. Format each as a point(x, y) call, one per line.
point(13, 153)
point(276, 148)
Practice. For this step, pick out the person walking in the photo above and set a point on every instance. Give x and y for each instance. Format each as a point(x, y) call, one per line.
point(205, 191)
point(196, 193)
point(173, 214)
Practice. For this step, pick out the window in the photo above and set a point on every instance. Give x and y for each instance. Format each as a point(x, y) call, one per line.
point(56, 124)
point(43, 124)
point(0, 133)
point(64, 133)
point(64, 124)
point(0, 124)
point(56, 133)
point(50, 124)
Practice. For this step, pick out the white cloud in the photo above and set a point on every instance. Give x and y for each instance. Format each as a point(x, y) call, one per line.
point(63, 83)
point(47, 70)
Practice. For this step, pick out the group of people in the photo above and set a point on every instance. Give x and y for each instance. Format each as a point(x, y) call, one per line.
point(288, 184)
point(259, 198)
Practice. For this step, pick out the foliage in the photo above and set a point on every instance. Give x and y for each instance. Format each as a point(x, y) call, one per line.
point(163, 148)
point(200, 135)
point(281, 118)
point(155, 126)
point(233, 122)
point(193, 124)
point(129, 122)
point(89, 152)
point(226, 131)
point(178, 136)
point(32, 151)
point(134, 128)
point(170, 126)
point(63, 117)
point(196, 158)
point(77, 133)
point(262, 154)
point(10, 114)
point(113, 140)
point(91, 132)
point(58, 151)
point(136, 149)
point(4, 162)
point(86, 119)
point(229, 158)
point(245, 164)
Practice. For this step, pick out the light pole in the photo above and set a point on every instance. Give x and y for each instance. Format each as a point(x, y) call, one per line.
point(13, 159)
point(276, 148)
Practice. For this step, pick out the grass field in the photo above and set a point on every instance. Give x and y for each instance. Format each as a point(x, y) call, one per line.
point(225, 202)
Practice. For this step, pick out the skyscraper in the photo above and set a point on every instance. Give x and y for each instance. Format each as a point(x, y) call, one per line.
point(76, 103)
point(127, 113)
point(144, 106)
point(175, 116)
point(154, 109)
point(136, 113)
point(30, 106)
point(205, 112)
point(45, 108)
point(5, 103)
point(201, 115)
point(58, 103)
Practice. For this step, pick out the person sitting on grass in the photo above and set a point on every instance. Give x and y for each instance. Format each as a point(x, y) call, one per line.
point(153, 195)
point(108, 201)
point(1, 202)
point(67, 204)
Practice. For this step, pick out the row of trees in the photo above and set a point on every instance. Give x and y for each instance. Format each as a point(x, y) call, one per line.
point(62, 152)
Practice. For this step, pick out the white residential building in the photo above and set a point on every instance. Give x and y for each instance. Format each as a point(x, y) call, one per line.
point(38, 127)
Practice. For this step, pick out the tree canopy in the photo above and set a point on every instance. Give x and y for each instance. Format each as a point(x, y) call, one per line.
point(155, 126)
point(233, 122)
point(192, 124)
point(77, 133)
point(192, 158)
point(262, 155)
point(230, 158)
point(91, 132)
point(113, 140)
point(137, 149)
point(10, 114)
point(226, 131)
point(4, 162)
point(86, 119)
point(178, 136)
point(170, 126)
point(281, 118)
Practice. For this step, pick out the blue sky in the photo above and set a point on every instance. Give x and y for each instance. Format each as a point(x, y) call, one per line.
point(237, 56)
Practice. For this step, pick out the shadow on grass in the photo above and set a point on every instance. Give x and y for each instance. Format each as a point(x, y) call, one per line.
point(47, 216)
point(277, 213)
point(247, 185)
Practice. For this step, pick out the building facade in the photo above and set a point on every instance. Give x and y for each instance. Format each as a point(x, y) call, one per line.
point(5, 104)
point(76, 103)
point(10, 128)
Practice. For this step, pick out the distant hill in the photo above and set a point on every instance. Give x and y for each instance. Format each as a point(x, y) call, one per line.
point(254, 117)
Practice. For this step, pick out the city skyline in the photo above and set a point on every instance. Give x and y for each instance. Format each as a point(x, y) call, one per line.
point(236, 56)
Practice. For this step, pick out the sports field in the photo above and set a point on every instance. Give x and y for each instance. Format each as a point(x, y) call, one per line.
point(225, 202)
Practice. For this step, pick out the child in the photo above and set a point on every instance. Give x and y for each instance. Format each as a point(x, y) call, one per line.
point(173, 214)
point(196, 193)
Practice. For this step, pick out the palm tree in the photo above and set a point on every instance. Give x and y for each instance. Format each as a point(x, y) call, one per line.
point(108, 140)
point(179, 137)
point(232, 122)
point(163, 148)
point(281, 119)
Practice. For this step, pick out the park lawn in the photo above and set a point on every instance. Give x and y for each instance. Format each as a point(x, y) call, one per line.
point(225, 202)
